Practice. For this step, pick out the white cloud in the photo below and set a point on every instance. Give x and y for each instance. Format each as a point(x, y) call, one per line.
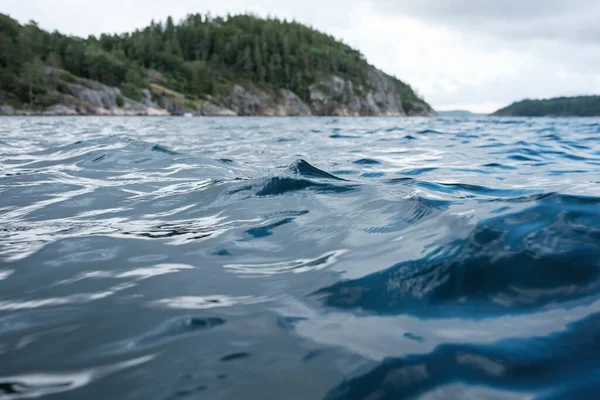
point(472, 54)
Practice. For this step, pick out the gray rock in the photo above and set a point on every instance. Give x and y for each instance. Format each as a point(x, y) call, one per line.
point(247, 102)
point(336, 96)
point(152, 108)
point(210, 109)
point(253, 101)
point(330, 95)
point(292, 104)
point(174, 106)
point(5, 109)
point(61, 109)
point(147, 99)
point(384, 95)
point(96, 95)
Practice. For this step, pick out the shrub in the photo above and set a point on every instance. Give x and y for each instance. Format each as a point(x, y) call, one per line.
point(67, 77)
point(132, 91)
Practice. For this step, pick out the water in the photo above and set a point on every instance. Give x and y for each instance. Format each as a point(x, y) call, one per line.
point(166, 258)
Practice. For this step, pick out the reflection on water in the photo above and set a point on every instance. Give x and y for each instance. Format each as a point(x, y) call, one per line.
point(299, 258)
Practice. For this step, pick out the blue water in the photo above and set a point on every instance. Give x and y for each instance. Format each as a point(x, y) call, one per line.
point(299, 258)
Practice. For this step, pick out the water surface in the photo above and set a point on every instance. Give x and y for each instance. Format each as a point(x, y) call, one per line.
point(299, 258)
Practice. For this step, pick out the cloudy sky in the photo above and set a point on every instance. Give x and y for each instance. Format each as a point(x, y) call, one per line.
point(459, 54)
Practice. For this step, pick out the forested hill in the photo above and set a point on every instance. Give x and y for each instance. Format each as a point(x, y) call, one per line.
point(582, 106)
point(236, 65)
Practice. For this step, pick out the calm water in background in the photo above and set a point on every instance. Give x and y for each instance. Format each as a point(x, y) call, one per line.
point(299, 258)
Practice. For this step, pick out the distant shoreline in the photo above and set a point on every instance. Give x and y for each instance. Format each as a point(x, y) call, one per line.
point(221, 116)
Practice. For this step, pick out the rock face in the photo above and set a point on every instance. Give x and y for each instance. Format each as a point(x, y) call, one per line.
point(79, 96)
point(176, 103)
point(331, 95)
point(292, 105)
point(246, 102)
point(60, 109)
point(91, 97)
point(5, 109)
point(253, 101)
point(381, 95)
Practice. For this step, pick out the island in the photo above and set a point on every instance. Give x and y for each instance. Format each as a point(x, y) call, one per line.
point(580, 106)
point(203, 65)
point(459, 114)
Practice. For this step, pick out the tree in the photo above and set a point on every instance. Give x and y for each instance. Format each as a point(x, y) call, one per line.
point(54, 60)
point(258, 62)
point(246, 61)
point(170, 29)
point(73, 59)
point(173, 47)
point(199, 55)
point(34, 77)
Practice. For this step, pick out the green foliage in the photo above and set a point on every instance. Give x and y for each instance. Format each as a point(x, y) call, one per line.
point(200, 56)
point(33, 83)
point(410, 101)
point(54, 60)
point(67, 77)
point(584, 106)
point(120, 101)
point(103, 66)
point(44, 100)
point(131, 91)
point(62, 87)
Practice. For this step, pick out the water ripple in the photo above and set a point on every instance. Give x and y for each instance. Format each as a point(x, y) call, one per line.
point(372, 257)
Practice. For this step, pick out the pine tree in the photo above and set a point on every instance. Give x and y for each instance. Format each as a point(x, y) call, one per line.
point(54, 60)
point(247, 60)
point(170, 29)
point(258, 62)
point(200, 55)
point(33, 74)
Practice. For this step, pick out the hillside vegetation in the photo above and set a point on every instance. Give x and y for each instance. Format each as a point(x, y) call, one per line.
point(200, 57)
point(583, 106)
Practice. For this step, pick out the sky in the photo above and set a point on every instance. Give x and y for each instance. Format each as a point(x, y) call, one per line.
point(478, 55)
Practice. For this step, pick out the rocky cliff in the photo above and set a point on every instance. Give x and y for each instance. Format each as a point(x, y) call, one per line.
point(382, 95)
point(203, 65)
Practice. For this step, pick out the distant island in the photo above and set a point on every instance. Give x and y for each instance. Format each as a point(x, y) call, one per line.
point(239, 65)
point(580, 106)
point(458, 114)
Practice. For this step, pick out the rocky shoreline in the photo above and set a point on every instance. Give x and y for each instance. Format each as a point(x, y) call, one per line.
point(330, 96)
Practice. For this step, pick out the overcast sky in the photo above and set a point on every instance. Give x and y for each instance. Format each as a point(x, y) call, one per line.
point(459, 54)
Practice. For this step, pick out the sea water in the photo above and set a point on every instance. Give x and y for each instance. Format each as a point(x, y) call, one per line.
point(299, 258)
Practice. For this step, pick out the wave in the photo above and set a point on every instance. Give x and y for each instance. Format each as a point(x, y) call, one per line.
point(399, 258)
point(545, 254)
